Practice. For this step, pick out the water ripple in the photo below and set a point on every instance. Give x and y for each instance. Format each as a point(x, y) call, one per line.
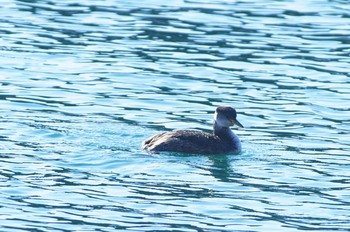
point(83, 83)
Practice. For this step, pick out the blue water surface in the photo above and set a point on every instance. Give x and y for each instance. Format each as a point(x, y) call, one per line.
point(83, 83)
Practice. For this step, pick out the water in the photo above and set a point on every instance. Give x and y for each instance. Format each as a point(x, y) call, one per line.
point(84, 82)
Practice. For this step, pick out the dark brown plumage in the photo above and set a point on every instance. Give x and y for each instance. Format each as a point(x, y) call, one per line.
point(222, 140)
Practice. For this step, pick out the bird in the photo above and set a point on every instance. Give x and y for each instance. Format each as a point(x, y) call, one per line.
point(221, 141)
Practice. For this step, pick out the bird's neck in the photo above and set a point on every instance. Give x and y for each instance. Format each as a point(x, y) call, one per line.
point(220, 130)
point(226, 135)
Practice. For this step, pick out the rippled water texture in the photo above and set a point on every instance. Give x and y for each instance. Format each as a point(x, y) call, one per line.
point(84, 82)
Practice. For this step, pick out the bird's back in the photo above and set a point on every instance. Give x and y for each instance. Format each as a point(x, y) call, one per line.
point(188, 141)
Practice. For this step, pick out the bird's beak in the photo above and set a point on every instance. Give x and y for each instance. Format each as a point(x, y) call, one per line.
point(236, 122)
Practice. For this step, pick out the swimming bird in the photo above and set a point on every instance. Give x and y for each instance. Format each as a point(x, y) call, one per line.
point(221, 141)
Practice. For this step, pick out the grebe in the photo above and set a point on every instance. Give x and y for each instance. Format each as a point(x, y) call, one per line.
point(221, 141)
